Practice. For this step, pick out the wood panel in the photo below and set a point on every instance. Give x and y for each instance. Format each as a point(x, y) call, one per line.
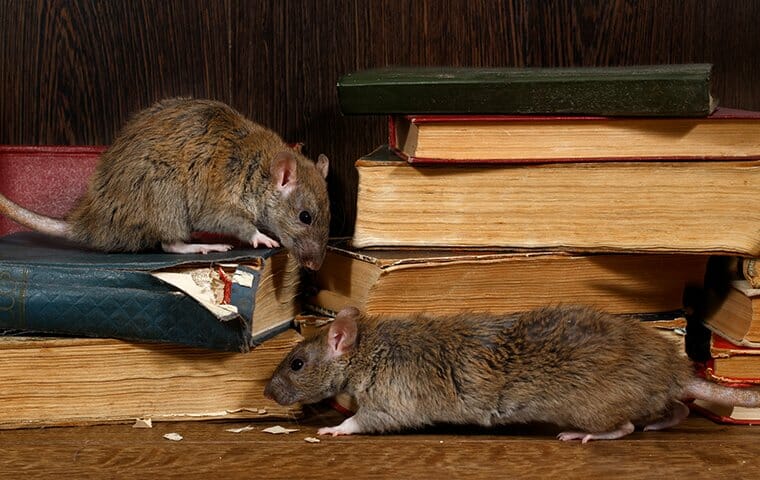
point(73, 70)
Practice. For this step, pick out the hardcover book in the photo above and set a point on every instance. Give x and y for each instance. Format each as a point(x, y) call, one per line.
point(226, 301)
point(737, 319)
point(449, 281)
point(655, 206)
point(651, 90)
point(73, 381)
point(429, 139)
point(732, 364)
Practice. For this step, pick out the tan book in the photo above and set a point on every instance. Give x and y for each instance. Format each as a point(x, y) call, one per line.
point(75, 381)
point(726, 134)
point(448, 281)
point(695, 206)
point(738, 317)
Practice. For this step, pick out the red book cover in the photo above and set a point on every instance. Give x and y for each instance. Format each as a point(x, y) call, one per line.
point(636, 123)
point(45, 179)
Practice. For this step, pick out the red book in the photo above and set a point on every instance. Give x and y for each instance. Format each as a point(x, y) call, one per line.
point(732, 364)
point(47, 179)
point(727, 134)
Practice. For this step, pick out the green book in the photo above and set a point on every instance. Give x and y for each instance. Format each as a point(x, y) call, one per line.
point(657, 90)
point(224, 301)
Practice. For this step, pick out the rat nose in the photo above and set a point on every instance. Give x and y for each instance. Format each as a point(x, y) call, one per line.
point(268, 391)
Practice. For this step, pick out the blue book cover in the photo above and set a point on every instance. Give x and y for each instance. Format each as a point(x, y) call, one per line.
point(50, 286)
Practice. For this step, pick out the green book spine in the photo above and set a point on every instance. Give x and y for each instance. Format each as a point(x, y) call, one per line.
point(49, 287)
point(658, 90)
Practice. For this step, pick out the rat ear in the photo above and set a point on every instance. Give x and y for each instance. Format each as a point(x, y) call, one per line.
point(342, 334)
point(323, 164)
point(283, 172)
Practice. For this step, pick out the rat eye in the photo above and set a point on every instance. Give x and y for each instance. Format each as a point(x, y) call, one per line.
point(305, 217)
point(296, 364)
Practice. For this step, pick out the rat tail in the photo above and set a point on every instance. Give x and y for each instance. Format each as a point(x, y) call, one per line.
point(34, 221)
point(702, 389)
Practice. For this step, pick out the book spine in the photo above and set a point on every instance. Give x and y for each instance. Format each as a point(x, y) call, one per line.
point(676, 91)
point(750, 270)
point(129, 305)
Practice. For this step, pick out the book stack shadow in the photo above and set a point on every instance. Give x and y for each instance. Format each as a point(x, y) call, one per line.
point(502, 190)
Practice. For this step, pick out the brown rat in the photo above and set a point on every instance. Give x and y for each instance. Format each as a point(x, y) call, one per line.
point(571, 366)
point(183, 166)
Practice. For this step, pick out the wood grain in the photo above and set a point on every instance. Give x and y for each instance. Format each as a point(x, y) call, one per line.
point(696, 448)
point(72, 71)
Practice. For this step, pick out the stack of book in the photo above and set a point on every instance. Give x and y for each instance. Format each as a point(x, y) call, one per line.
point(504, 189)
point(734, 348)
point(88, 337)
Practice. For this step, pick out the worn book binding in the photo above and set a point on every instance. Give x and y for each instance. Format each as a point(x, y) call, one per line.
point(50, 286)
point(652, 90)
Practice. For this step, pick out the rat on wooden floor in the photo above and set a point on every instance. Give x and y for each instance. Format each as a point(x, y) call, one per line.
point(184, 166)
point(583, 370)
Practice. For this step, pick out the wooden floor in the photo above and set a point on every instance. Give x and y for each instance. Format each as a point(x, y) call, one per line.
point(697, 448)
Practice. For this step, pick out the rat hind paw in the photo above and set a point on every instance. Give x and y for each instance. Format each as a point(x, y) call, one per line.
point(204, 248)
point(259, 239)
point(677, 414)
point(585, 437)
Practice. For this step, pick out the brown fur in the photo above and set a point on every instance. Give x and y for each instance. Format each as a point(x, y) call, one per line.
point(570, 366)
point(186, 165)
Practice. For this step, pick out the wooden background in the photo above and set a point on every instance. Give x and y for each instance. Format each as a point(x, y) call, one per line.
point(72, 71)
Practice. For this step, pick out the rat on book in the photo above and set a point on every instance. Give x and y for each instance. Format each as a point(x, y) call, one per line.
point(186, 165)
point(596, 375)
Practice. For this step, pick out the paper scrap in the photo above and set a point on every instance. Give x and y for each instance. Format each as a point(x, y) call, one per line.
point(276, 430)
point(143, 423)
point(243, 278)
point(240, 430)
point(262, 411)
point(175, 437)
point(312, 440)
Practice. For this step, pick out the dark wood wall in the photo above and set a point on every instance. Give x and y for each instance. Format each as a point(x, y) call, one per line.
point(72, 71)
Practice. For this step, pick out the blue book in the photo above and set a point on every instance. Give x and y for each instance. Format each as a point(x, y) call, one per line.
point(228, 301)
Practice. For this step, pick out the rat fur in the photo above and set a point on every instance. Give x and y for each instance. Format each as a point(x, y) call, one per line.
point(184, 166)
point(580, 369)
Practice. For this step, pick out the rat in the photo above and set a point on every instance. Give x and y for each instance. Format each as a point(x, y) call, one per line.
point(189, 165)
point(581, 369)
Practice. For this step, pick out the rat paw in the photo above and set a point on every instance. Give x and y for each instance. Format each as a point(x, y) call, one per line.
point(259, 239)
point(204, 248)
point(585, 437)
point(334, 431)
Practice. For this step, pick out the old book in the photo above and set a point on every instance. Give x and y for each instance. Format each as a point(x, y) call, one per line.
point(738, 317)
point(667, 90)
point(74, 381)
point(226, 301)
point(727, 414)
point(45, 179)
point(749, 269)
point(732, 364)
point(448, 281)
point(655, 206)
point(727, 134)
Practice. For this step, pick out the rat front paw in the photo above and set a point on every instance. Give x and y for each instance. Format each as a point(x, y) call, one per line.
point(259, 239)
point(334, 431)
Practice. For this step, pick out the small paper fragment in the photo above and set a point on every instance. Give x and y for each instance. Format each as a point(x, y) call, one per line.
point(277, 430)
point(175, 437)
point(312, 440)
point(143, 423)
point(262, 411)
point(247, 428)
